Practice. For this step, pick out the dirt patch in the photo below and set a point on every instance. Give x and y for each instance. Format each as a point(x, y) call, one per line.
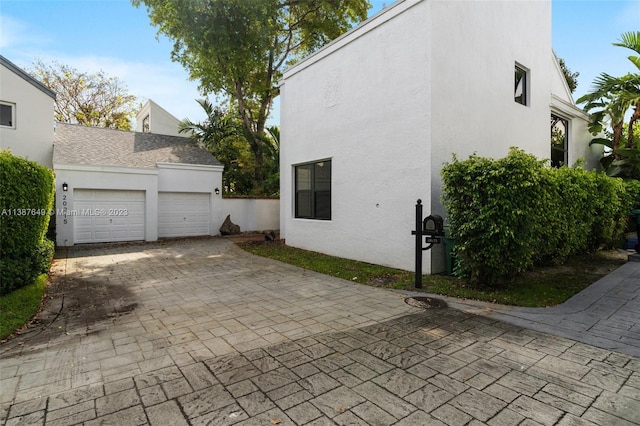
point(425, 302)
point(384, 280)
point(597, 264)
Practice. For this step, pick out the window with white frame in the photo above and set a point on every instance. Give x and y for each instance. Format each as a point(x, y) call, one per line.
point(520, 85)
point(313, 190)
point(7, 115)
point(559, 141)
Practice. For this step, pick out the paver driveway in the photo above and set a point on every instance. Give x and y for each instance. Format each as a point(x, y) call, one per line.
point(199, 332)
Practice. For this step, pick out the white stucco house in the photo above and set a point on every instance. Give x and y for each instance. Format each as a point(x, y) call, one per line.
point(368, 121)
point(26, 114)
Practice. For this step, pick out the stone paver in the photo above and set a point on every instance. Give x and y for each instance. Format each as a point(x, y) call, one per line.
point(198, 332)
point(605, 315)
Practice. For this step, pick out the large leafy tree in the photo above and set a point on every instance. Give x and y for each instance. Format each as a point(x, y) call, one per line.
point(609, 102)
point(239, 48)
point(95, 100)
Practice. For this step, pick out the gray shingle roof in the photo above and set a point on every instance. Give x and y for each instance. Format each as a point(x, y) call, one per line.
point(96, 146)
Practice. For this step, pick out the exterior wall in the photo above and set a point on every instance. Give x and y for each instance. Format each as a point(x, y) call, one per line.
point(252, 214)
point(160, 121)
point(390, 102)
point(32, 135)
point(113, 178)
point(363, 103)
point(194, 178)
point(476, 45)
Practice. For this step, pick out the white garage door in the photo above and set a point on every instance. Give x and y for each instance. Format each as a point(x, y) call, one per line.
point(106, 216)
point(183, 214)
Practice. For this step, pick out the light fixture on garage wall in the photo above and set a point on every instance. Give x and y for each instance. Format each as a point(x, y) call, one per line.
point(65, 187)
point(217, 191)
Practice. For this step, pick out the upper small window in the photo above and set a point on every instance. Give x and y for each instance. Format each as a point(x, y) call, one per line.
point(146, 126)
point(520, 91)
point(7, 115)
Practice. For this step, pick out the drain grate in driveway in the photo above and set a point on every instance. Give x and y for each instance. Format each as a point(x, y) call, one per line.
point(425, 302)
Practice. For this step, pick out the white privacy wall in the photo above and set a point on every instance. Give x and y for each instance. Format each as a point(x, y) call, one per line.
point(363, 102)
point(252, 214)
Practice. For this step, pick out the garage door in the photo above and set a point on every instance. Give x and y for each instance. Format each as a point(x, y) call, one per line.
point(182, 214)
point(106, 216)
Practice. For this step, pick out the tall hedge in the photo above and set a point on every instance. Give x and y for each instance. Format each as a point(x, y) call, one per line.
point(26, 199)
point(509, 214)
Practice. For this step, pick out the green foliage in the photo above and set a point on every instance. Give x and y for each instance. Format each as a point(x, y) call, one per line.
point(623, 161)
point(570, 77)
point(95, 100)
point(510, 214)
point(26, 198)
point(238, 49)
point(19, 306)
point(221, 133)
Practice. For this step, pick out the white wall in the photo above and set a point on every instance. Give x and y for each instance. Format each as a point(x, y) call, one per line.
point(251, 214)
point(363, 103)
point(32, 137)
point(112, 178)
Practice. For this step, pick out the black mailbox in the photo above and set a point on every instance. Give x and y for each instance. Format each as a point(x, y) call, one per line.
point(433, 225)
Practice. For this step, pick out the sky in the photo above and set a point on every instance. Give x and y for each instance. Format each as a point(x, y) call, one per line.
point(117, 38)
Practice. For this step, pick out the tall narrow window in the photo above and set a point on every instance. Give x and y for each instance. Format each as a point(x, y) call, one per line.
point(146, 125)
point(559, 141)
point(313, 190)
point(7, 115)
point(520, 91)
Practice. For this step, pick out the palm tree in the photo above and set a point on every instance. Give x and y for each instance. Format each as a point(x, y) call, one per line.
point(609, 102)
point(217, 126)
point(631, 40)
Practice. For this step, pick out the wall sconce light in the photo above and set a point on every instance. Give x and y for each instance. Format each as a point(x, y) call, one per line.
point(217, 191)
point(65, 187)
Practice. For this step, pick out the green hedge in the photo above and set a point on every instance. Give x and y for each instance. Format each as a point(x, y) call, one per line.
point(510, 214)
point(26, 198)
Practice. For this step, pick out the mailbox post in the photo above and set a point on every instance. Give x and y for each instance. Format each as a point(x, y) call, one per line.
point(432, 228)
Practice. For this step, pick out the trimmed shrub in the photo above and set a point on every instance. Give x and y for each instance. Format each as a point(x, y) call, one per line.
point(26, 198)
point(509, 214)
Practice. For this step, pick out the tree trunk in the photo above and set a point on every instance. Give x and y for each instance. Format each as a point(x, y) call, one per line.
point(617, 135)
point(634, 117)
